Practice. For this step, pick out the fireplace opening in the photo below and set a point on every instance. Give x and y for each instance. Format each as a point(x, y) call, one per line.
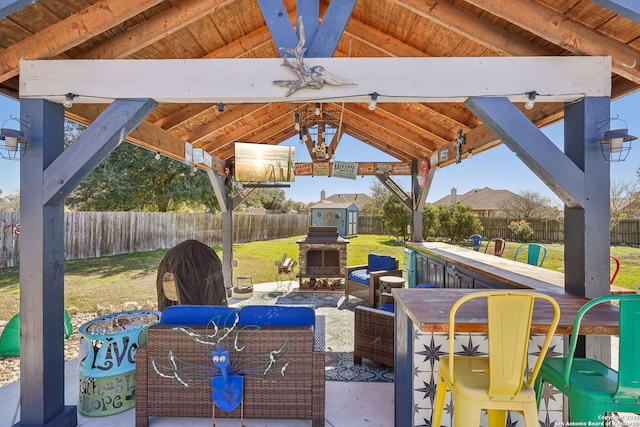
point(322, 258)
point(323, 262)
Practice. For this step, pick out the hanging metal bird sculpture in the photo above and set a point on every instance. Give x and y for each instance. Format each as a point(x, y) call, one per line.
point(223, 347)
point(308, 77)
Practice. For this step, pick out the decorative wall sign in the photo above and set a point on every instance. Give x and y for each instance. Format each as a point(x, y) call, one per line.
point(198, 155)
point(304, 169)
point(423, 172)
point(444, 154)
point(321, 169)
point(345, 170)
point(401, 169)
point(384, 168)
point(365, 168)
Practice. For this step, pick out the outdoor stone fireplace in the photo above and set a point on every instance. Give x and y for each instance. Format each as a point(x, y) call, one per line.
point(322, 258)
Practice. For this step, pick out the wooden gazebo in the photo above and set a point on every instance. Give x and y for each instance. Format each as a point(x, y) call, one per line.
point(434, 80)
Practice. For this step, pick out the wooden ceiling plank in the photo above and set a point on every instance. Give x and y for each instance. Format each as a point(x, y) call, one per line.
point(181, 115)
point(70, 32)
point(412, 134)
point(471, 26)
point(260, 114)
point(159, 26)
point(570, 35)
point(630, 9)
point(408, 148)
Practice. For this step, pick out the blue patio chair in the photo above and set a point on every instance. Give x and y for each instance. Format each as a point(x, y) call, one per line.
point(475, 240)
point(536, 253)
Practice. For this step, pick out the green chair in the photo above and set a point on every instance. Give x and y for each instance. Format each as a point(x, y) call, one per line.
point(536, 253)
point(593, 388)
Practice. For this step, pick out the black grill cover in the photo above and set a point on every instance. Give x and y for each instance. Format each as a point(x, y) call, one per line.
point(197, 270)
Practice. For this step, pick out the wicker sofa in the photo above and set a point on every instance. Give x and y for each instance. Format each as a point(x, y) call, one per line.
point(298, 394)
point(363, 281)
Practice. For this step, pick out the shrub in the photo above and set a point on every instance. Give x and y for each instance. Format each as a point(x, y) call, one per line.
point(521, 230)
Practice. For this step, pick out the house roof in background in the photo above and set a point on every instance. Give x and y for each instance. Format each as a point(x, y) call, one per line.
point(331, 205)
point(480, 199)
point(358, 199)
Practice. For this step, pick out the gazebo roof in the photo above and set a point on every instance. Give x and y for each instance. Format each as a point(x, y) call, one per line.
point(191, 29)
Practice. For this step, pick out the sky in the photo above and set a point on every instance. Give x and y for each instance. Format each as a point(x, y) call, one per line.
point(497, 168)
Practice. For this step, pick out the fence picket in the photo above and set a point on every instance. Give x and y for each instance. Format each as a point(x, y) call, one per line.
point(96, 234)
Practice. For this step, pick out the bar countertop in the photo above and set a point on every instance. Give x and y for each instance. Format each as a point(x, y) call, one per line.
point(429, 310)
point(513, 273)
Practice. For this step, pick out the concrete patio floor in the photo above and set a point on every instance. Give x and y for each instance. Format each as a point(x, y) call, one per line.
point(347, 403)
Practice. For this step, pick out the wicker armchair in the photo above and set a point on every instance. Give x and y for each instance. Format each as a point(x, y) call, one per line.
point(299, 394)
point(374, 333)
point(363, 281)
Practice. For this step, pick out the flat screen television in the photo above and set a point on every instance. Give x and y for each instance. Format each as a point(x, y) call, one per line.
point(264, 163)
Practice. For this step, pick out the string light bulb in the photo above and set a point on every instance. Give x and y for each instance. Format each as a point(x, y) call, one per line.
point(68, 100)
point(317, 109)
point(373, 101)
point(531, 100)
point(296, 121)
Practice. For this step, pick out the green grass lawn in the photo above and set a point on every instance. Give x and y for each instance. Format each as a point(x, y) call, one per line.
point(116, 279)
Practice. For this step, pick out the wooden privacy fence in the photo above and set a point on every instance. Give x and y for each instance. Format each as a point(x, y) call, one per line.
point(95, 234)
point(627, 232)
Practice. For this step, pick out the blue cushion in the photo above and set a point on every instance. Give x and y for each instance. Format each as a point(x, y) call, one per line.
point(425, 285)
point(387, 307)
point(360, 276)
point(377, 262)
point(277, 315)
point(198, 315)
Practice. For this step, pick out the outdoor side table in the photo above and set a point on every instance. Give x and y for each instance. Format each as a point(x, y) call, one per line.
point(389, 282)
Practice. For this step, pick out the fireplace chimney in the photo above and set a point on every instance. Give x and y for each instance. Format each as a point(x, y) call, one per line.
point(323, 195)
point(454, 196)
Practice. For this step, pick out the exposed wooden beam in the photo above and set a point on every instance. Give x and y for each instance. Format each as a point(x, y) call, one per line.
point(155, 28)
point(562, 31)
point(185, 113)
point(556, 79)
point(471, 26)
point(145, 135)
point(70, 32)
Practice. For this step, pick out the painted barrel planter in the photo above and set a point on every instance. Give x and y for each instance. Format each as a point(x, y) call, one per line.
point(108, 347)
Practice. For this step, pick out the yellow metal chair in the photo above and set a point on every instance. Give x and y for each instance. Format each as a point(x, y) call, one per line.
point(495, 382)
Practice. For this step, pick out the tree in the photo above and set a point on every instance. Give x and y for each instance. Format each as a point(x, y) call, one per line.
point(457, 221)
point(623, 196)
point(10, 202)
point(273, 199)
point(131, 179)
point(395, 216)
point(528, 204)
point(379, 194)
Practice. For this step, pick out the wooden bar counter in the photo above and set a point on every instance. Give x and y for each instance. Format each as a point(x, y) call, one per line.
point(422, 322)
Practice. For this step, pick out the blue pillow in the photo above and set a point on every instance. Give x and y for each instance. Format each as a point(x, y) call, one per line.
point(380, 262)
point(387, 307)
point(360, 276)
point(198, 315)
point(277, 315)
point(425, 285)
